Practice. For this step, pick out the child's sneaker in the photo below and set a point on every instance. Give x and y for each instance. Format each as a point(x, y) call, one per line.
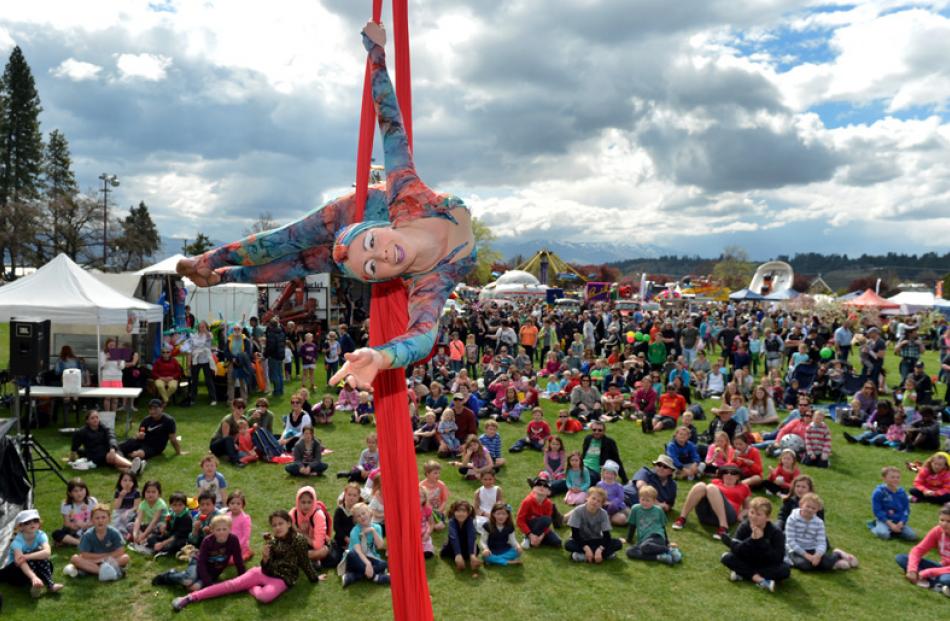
point(381, 578)
point(676, 554)
point(578, 557)
point(666, 558)
point(525, 543)
point(720, 532)
point(767, 585)
point(945, 590)
point(348, 579)
point(70, 570)
point(679, 523)
point(734, 577)
point(180, 602)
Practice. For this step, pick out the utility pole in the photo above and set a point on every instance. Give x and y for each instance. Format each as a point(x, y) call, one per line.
point(108, 182)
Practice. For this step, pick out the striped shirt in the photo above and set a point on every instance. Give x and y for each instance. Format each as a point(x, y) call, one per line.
point(802, 535)
point(492, 443)
point(818, 439)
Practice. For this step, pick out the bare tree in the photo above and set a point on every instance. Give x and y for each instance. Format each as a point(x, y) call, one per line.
point(265, 222)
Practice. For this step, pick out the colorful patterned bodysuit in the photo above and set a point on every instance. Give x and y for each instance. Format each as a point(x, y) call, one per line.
point(305, 246)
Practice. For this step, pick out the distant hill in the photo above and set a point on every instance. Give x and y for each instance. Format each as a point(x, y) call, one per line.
point(576, 252)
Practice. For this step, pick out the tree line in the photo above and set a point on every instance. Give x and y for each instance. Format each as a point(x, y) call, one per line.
point(42, 211)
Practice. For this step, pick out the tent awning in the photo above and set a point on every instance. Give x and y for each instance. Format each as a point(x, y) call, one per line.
point(62, 291)
point(869, 299)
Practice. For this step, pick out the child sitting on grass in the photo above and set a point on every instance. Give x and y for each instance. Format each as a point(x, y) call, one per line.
point(757, 550)
point(486, 497)
point(28, 561)
point(172, 534)
point(590, 540)
point(499, 545)
point(240, 522)
point(647, 522)
point(362, 560)
point(369, 461)
point(219, 549)
point(781, 476)
point(201, 526)
point(437, 491)
point(364, 414)
point(891, 507)
point(614, 504)
point(308, 461)
point(535, 516)
point(924, 572)
point(149, 517)
point(210, 480)
point(424, 437)
point(77, 513)
point(461, 544)
point(805, 540)
point(491, 440)
point(817, 441)
point(536, 432)
point(101, 549)
point(932, 483)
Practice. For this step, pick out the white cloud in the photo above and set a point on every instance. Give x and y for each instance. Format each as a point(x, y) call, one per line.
point(76, 70)
point(150, 67)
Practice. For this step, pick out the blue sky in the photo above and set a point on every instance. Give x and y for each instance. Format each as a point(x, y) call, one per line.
point(778, 125)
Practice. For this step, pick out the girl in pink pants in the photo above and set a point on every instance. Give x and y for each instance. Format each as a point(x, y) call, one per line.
point(284, 557)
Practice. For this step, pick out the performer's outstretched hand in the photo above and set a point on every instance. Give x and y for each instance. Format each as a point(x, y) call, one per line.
point(200, 274)
point(363, 365)
point(376, 33)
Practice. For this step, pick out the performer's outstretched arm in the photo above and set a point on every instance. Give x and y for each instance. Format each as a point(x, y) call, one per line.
point(400, 168)
point(427, 296)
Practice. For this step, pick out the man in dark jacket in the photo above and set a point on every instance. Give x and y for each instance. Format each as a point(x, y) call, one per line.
point(274, 343)
point(598, 448)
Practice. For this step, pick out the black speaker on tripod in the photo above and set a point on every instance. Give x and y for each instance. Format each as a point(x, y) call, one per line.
point(29, 348)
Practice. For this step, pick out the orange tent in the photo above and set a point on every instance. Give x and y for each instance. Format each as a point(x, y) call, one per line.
point(869, 299)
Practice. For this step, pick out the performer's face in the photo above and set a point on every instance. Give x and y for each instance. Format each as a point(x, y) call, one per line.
point(379, 254)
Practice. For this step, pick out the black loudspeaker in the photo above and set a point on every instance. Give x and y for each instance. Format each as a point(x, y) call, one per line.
point(29, 347)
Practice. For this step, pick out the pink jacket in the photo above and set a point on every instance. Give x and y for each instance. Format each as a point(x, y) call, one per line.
point(936, 538)
point(241, 528)
point(928, 481)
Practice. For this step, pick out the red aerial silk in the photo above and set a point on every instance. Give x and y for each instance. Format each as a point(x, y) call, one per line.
point(389, 318)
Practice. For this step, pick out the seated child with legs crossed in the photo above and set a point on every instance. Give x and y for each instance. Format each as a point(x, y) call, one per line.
point(149, 517)
point(486, 497)
point(757, 550)
point(647, 522)
point(369, 461)
point(308, 456)
point(614, 504)
point(590, 540)
point(362, 560)
point(891, 507)
point(312, 520)
point(173, 532)
point(218, 550)
point(498, 541)
point(212, 481)
point(924, 572)
point(201, 526)
point(536, 516)
point(437, 490)
point(805, 540)
point(101, 549)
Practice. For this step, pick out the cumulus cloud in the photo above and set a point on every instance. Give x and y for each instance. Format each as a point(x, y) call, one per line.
point(684, 125)
point(150, 67)
point(76, 70)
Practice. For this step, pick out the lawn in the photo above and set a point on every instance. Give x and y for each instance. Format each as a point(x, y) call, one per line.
point(548, 585)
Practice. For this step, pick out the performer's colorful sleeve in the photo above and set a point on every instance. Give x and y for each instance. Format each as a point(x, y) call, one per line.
point(427, 296)
point(400, 169)
point(295, 250)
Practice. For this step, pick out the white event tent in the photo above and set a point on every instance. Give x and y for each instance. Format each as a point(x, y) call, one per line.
point(913, 301)
point(65, 293)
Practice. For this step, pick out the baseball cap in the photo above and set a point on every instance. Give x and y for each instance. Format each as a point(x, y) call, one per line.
point(539, 482)
point(155, 403)
point(611, 465)
point(459, 396)
point(27, 515)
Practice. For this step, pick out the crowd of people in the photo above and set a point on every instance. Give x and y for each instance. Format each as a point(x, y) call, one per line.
point(494, 370)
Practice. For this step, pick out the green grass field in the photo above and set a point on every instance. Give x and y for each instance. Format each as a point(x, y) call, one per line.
point(548, 585)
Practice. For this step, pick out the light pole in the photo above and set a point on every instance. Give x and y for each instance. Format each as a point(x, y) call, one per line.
point(108, 182)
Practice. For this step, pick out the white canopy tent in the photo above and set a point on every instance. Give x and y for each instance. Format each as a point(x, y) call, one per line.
point(913, 301)
point(63, 292)
point(163, 267)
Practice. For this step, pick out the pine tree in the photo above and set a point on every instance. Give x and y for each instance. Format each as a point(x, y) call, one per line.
point(21, 158)
point(69, 220)
point(201, 244)
point(139, 239)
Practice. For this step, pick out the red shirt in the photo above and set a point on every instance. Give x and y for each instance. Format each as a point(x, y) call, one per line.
point(569, 425)
point(672, 404)
point(530, 508)
point(734, 495)
point(538, 430)
point(166, 368)
point(748, 469)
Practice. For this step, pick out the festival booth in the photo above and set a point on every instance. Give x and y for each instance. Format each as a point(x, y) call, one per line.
point(81, 308)
point(744, 295)
point(869, 299)
point(912, 302)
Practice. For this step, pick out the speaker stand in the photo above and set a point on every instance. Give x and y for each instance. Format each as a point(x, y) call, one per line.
point(33, 451)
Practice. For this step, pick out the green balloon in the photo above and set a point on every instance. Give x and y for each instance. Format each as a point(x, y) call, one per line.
point(826, 353)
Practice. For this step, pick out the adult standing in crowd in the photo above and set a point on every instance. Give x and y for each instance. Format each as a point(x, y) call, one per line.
point(274, 343)
point(200, 345)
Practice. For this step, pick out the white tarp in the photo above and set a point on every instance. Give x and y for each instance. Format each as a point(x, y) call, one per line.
point(64, 292)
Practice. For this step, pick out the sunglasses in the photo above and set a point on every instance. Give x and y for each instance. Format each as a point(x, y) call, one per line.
point(295, 401)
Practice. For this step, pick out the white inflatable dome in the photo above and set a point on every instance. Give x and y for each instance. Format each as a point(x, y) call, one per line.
point(514, 284)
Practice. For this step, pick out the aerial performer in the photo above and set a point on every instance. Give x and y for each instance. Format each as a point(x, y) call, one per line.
point(418, 244)
point(409, 231)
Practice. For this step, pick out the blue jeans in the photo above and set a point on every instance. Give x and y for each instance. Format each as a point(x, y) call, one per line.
point(942, 580)
point(356, 566)
point(275, 373)
point(881, 530)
